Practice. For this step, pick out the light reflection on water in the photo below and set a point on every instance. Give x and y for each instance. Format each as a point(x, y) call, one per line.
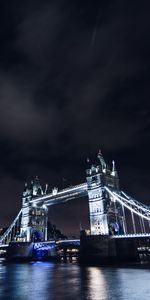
point(60, 281)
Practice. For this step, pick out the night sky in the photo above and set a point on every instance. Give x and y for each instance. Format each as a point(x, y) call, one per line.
point(74, 78)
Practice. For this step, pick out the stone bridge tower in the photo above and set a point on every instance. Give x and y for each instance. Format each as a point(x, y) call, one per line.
point(106, 215)
point(34, 216)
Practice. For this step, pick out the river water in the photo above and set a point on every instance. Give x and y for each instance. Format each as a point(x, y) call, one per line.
point(70, 281)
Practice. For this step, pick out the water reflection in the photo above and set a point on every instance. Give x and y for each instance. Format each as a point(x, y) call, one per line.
point(93, 283)
point(55, 281)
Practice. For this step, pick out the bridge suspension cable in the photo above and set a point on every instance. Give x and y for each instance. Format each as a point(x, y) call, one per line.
point(9, 231)
point(130, 203)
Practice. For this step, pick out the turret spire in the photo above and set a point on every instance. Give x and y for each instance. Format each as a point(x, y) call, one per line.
point(102, 161)
point(114, 171)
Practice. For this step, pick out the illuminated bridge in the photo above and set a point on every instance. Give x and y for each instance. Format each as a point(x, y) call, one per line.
point(112, 212)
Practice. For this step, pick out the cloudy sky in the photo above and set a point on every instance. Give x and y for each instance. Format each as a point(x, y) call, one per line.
point(74, 77)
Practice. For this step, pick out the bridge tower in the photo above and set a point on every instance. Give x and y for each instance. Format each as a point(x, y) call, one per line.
point(106, 215)
point(34, 215)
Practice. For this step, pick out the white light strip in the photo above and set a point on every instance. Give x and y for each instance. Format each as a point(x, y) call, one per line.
point(10, 227)
point(138, 205)
point(145, 207)
point(81, 187)
point(126, 205)
point(67, 241)
point(131, 235)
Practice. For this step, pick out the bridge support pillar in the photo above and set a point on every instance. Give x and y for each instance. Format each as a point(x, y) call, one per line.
point(106, 216)
point(34, 217)
point(97, 209)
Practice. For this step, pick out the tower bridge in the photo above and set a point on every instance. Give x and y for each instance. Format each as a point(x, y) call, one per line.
point(108, 206)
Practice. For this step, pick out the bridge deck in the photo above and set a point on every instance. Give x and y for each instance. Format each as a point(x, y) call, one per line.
point(63, 195)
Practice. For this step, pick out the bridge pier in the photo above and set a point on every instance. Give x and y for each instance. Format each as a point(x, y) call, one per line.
point(102, 249)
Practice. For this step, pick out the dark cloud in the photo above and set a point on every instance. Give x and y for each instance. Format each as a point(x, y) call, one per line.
point(74, 76)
